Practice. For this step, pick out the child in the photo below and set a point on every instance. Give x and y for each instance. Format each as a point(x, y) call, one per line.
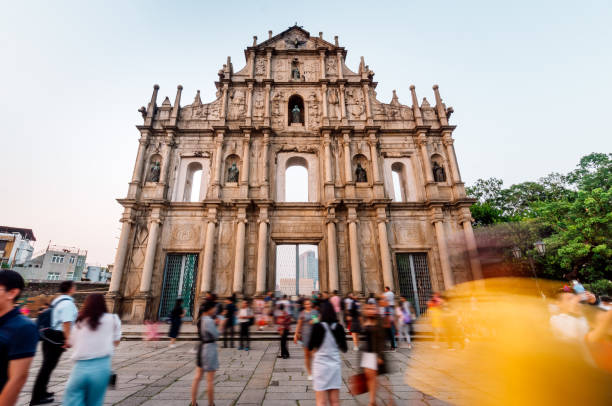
point(245, 319)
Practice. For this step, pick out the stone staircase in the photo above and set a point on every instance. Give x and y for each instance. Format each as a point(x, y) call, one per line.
point(136, 332)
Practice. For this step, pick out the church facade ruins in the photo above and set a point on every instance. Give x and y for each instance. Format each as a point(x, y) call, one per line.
point(207, 206)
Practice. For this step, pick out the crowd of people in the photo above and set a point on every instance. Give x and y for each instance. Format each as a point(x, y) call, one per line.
point(320, 323)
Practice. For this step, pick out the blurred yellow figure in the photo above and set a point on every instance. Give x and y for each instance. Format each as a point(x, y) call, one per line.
point(516, 348)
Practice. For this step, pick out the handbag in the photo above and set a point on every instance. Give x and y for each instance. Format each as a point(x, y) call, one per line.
point(358, 384)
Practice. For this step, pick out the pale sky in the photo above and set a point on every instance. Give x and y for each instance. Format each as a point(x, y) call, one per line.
point(529, 81)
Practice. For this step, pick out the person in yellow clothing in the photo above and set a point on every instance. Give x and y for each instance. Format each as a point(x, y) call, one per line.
point(434, 309)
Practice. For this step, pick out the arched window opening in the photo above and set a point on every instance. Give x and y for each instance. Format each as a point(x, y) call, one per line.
point(296, 180)
point(399, 190)
point(295, 110)
point(193, 182)
point(437, 167)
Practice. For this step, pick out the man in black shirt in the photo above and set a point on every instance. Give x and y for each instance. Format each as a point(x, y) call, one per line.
point(18, 339)
point(229, 312)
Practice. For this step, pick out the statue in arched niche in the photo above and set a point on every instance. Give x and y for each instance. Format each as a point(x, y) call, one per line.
point(361, 174)
point(438, 173)
point(295, 114)
point(154, 172)
point(232, 173)
point(295, 70)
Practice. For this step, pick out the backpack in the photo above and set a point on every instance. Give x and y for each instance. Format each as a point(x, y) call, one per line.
point(45, 321)
point(407, 317)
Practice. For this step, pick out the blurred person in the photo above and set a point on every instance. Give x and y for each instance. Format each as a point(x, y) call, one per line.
point(569, 324)
point(229, 313)
point(372, 298)
point(306, 320)
point(207, 360)
point(354, 317)
point(245, 321)
point(599, 341)
point(327, 340)
point(336, 302)
point(151, 332)
point(372, 351)
point(260, 313)
point(176, 319)
point(283, 320)
point(18, 338)
point(404, 318)
point(55, 340)
point(388, 320)
point(94, 336)
point(390, 296)
point(434, 310)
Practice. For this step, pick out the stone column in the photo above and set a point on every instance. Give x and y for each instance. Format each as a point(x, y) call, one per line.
point(342, 105)
point(217, 179)
point(452, 159)
point(209, 251)
point(470, 242)
point(246, 156)
point(249, 112)
point(366, 96)
point(339, 64)
point(223, 113)
point(328, 163)
point(166, 148)
point(139, 165)
point(121, 254)
point(447, 272)
point(374, 157)
point(239, 262)
point(348, 167)
point(268, 64)
point(147, 270)
point(262, 251)
point(425, 157)
point(322, 62)
point(267, 104)
point(354, 250)
point(383, 241)
point(265, 165)
point(332, 251)
point(324, 93)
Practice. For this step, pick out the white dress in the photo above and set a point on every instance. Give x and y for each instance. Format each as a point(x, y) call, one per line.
point(326, 364)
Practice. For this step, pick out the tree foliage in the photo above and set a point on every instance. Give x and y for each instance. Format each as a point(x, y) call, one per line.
point(572, 213)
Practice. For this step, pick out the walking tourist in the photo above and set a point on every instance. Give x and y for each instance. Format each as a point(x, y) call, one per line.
point(434, 310)
point(94, 336)
point(388, 320)
point(283, 320)
point(245, 320)
point(390, 296)
point(259, 309)
point(355, 319)
point(336, 301)
point(55, 340)
point(176, 319)
point(306, 320)
point(207, 360)
point(18, 339)
point(403, 316)
point(229, 312)
point(327, 340)
point(372, 354)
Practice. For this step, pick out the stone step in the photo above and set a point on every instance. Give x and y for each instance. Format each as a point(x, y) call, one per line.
point(254, 336)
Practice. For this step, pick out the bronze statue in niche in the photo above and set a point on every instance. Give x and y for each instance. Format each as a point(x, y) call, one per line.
point(232, 173)
point(361, 174)
point(154, 172)
point(438, 173)
point(295, 115)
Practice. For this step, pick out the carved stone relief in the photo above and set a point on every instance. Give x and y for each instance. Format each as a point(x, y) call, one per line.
point(331, 67)
point(355, 104)
point(258, 103)
point(281, 72)
point(278, 102)
point(334, 103)
point(260, 67)
point(237, 108)
point(313, 110)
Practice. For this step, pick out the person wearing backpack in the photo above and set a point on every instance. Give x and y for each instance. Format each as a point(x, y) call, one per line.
point(327, 340)
point(62, 313)
point(18, 339)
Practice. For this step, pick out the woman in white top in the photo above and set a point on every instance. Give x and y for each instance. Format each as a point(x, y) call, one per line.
point(327, 339)
point(93, 338)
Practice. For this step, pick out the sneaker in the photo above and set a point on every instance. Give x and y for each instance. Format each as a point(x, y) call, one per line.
point(43, 401)
point(355, 348)
point(246, 348)
point(310, 377)
point(172, 345)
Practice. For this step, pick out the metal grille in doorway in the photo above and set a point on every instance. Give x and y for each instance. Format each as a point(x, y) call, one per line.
point(414, 279)
point(179, 281)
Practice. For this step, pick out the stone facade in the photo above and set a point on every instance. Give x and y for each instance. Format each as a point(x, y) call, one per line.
point(294, 103)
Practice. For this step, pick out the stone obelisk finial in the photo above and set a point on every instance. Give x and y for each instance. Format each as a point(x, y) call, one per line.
point(415, 107)
point(440, 106)
point(152, 106)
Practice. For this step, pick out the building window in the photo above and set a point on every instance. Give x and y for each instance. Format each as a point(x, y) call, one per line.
point(72, 260)
point(57, 259)
point(70, 276)
point(399, 182)
point(53, 276)
point(193, 182)
point(296, 180)
point(80, 262)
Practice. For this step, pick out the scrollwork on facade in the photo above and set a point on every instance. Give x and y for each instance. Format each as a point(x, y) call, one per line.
point(238, 105)
point(355, 104)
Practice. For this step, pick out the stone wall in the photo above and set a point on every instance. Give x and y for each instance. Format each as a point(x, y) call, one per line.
point(36, 294)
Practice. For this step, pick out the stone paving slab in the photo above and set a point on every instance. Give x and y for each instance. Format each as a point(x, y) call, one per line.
point(151, 374)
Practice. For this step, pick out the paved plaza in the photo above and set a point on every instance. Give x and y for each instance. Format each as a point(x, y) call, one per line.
point(151, 374)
